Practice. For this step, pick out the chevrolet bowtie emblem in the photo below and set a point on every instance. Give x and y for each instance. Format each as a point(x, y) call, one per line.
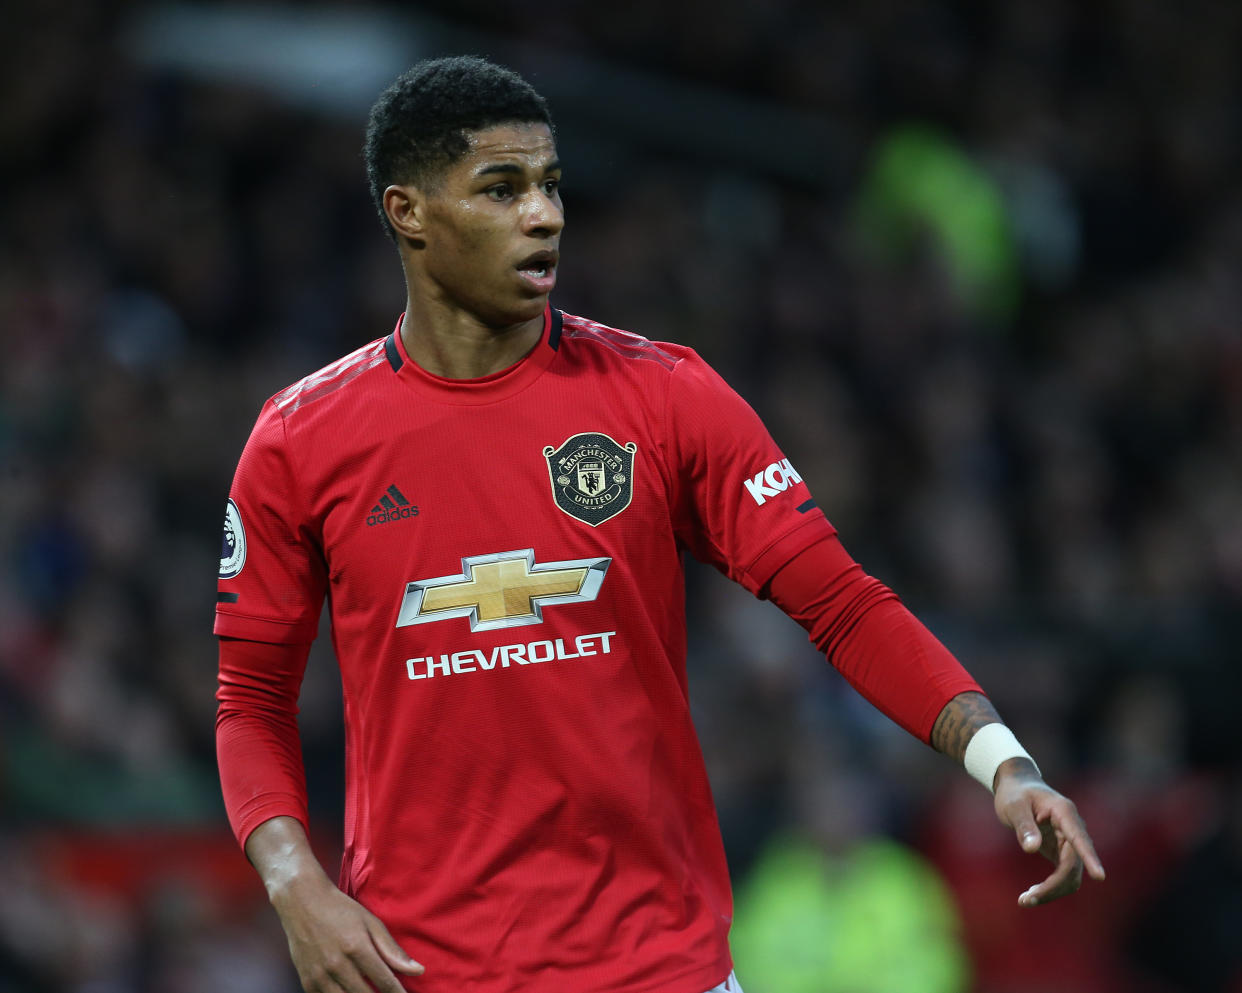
point(501, 590)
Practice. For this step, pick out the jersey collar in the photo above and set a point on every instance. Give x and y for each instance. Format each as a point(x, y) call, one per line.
point(486, 389)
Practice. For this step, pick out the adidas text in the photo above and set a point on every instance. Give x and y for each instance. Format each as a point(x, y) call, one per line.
point(776, 478)
point(388, 516)
point(392, 506)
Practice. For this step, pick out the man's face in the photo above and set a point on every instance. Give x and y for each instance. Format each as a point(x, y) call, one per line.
point(492, 225)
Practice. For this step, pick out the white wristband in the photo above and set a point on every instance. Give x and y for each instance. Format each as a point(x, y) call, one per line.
point(991, 745)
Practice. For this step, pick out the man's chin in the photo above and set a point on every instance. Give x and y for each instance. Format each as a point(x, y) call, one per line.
point(532, 307)
point(520, 313)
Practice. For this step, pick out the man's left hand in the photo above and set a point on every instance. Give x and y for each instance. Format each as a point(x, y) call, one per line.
point(1045, 822)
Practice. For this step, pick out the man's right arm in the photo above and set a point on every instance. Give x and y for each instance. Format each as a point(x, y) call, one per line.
point(336, 943)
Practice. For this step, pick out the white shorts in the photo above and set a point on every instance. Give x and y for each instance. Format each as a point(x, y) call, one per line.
point(730, 985)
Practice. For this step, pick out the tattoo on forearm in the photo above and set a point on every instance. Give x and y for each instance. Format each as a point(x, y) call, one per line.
point(962, 716)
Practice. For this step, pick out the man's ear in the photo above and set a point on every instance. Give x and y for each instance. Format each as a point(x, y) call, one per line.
point(406, 207)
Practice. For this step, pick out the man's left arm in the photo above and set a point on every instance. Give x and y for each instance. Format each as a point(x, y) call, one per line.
point(891, 658)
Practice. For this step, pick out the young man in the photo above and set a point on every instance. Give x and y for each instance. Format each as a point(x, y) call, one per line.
point(495, 500)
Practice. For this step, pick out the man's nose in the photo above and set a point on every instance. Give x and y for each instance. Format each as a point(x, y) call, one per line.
point(543, 213)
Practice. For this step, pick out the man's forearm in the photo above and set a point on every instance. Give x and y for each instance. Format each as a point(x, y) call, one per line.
point(282, 855)
point(258, 747)
point(961, 717)
point(883, 651)
point(958, 722)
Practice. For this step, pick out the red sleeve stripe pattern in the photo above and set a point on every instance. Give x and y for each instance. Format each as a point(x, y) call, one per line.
point(330, 378)
point(623, 342)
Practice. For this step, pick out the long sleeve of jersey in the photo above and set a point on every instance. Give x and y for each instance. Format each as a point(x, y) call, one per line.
point(257, 744)
point(869, 636)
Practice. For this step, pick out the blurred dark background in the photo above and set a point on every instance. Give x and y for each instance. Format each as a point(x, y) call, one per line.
point(976, 264)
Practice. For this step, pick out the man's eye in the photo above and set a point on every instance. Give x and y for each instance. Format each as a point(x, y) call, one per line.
point(550, 186)
point(499, 192)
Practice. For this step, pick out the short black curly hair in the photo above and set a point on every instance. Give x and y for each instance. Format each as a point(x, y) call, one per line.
point(418, 126)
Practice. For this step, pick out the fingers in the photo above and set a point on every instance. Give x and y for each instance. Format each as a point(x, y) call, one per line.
point(1065, 842)
point(1066, 878)
point(338, 946)
point(1070, 828)
point(1076, 834)
point(361, 962)
point(1045, 821)
point(342, 975)
point(346, 975)
point(1027, 830)
point(382, 979)
point(392, 953)
point(371, 962)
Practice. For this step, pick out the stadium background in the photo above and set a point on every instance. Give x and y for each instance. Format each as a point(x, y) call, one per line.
point(976, 264)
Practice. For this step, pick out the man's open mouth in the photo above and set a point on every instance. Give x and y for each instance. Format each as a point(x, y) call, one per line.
point(539, 265)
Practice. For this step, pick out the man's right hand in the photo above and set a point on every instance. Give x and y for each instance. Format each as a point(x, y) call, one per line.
point(337, 945)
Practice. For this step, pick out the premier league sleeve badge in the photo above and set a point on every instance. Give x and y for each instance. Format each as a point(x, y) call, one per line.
point(233, 547)
point(592, 476)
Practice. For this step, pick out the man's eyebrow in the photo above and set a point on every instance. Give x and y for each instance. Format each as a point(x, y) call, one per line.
point(512, 168)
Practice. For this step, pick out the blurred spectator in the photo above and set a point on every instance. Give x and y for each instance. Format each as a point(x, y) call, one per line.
point(833, 905)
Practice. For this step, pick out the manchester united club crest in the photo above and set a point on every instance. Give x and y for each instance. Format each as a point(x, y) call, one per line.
point(592, 476)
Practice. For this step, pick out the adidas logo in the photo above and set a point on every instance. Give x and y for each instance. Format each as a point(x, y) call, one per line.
point(393, 506)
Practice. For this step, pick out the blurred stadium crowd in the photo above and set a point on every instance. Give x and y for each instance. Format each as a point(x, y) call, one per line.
point(1000, 338)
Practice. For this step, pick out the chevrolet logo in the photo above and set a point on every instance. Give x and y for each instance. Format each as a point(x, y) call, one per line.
point(501, 590)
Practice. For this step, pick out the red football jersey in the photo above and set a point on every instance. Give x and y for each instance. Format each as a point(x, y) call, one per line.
point(526, 802)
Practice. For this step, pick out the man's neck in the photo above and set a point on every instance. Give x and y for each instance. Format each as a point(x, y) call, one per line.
point(459, 346)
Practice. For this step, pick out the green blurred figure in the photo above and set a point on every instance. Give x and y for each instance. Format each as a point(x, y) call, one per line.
point(831, 909)
point(922, 186)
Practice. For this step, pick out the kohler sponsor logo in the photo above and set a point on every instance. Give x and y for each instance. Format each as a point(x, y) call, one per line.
point(772, 481)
